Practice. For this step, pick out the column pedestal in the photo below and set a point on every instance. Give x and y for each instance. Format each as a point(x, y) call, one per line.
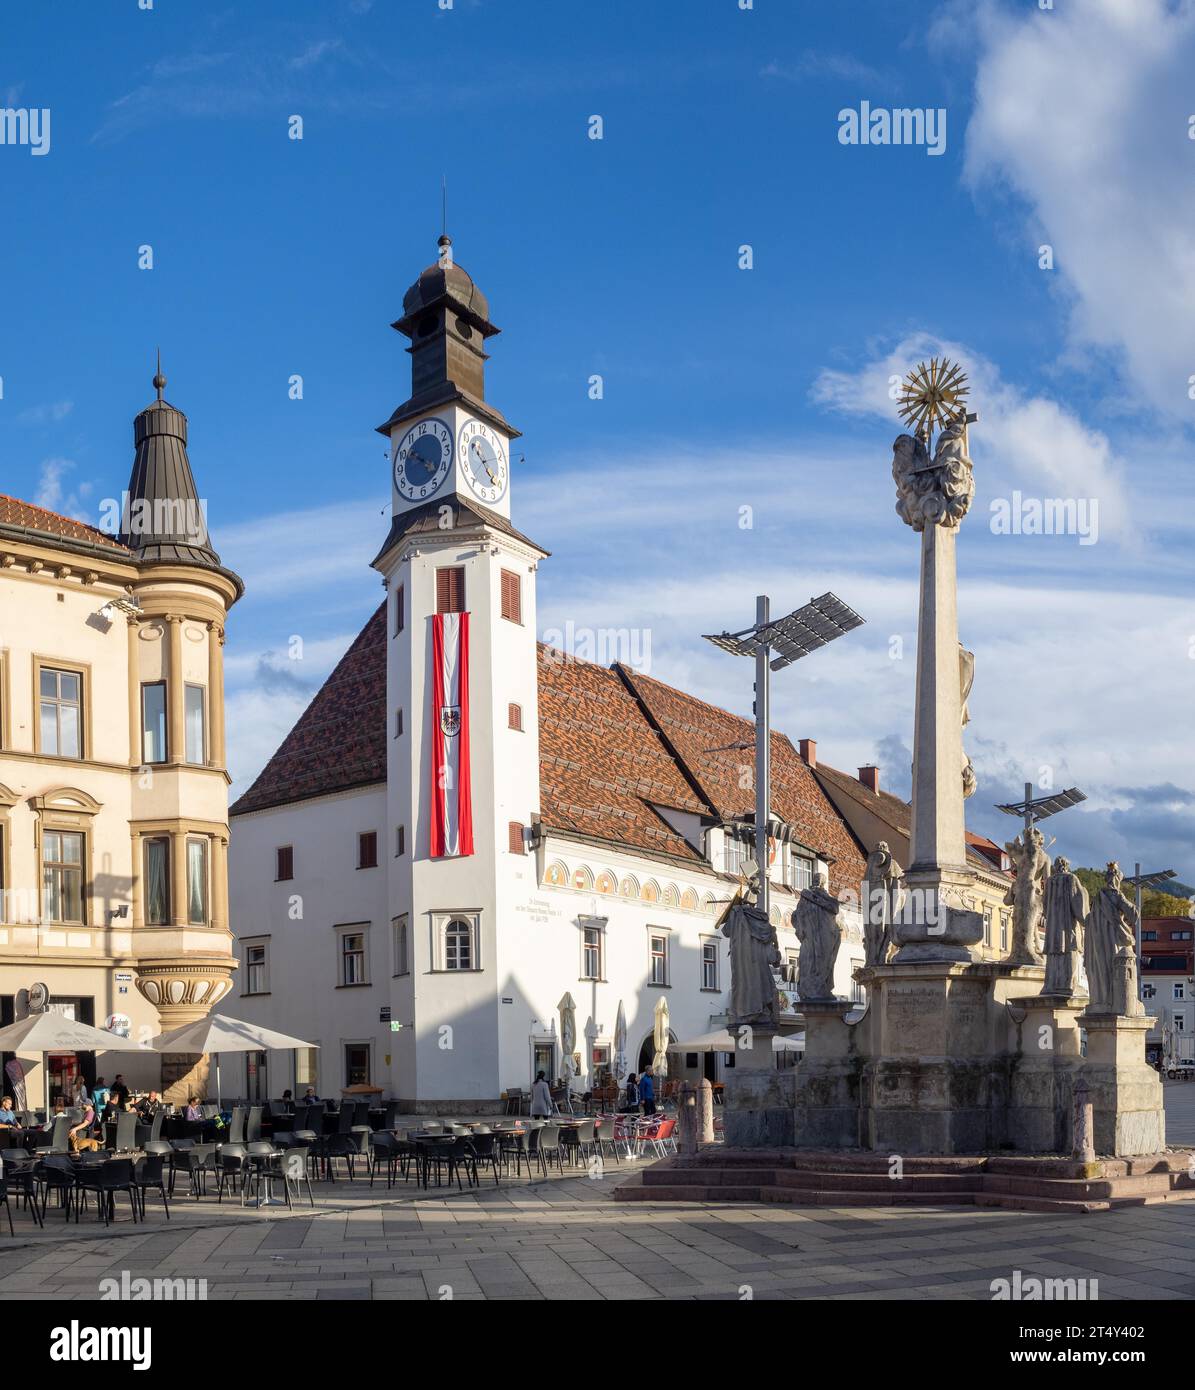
point(759, 1099)
point(828, 1078)
point(1044, 1039)
point(1126, 1092)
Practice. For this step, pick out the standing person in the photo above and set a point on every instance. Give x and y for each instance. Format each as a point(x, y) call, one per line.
point(631, 1102)
point(118, 1095)
point(100, 1096)
point(541, 1097)
point(79, 1093)
point(647, 1093)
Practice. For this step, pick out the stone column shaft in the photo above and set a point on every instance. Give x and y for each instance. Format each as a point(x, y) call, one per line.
point(174, 688)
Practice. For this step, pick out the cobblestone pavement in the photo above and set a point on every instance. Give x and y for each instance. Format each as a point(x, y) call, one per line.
point(566, 1239)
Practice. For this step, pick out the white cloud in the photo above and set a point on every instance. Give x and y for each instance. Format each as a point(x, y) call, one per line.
point(1026, 441)
point(50, 413)
point(53, 493)
point(1082, 111)
point(305, 550)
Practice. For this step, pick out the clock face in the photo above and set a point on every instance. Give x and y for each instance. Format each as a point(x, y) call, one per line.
point(483, 460)
point(422, 459)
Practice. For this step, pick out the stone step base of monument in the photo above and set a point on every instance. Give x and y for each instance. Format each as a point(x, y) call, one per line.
point(846, 1179)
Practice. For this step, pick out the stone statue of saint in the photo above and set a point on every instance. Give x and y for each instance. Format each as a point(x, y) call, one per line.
point(754, 954)
point(1032, 864)
point(1065, 912)
point(881, 888)
point(966, 679)
point(937, 491)
point(1110, 949)
point(815, 921)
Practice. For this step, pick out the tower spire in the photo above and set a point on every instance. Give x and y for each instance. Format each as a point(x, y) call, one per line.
point(159, 381)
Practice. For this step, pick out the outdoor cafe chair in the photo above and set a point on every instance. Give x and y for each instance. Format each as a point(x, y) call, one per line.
point(605, 1136)
point(513, 1144)
point(231, 1169)
point(385, 1148)
point(22, 1179)
point(338, 1146)
point(236, 1130)
point(544, 1145)
point(197, 1161)
point(454, 1156)
point(105, 1180)
point(576, 1140)
point(253, 1125)
point(261, 1160)
point(484, 1144)
point(294, 1171)
point(126, 1131)
point(148, 1172)
point(58, 1143)
point(56, 1173)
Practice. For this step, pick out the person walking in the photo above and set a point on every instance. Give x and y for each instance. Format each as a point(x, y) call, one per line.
point(647, 1093)
point(631, 1100)
point(541, 1097)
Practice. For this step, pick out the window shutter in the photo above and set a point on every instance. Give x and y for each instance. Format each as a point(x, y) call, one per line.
point(517, 845)
point(450, 590)
point(512, 597)
point(514, 716)
point(285, 863)
point(367, 850)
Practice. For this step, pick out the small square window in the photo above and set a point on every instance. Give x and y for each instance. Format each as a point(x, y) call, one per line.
point(400, 841)
point(367, 850)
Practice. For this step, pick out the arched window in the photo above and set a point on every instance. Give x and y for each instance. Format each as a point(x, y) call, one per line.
point(458, 945)
point(557, 875)
point(650, 892)
point(605, 883)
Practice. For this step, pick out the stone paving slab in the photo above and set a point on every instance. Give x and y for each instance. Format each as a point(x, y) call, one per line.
point(566, 1239)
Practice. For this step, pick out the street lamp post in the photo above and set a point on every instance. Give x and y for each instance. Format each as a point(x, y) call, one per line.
point(775, 645)
point(1141, 881)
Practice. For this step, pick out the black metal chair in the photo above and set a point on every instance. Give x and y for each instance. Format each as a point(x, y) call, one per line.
point(453, 1157)
point(485, 1150)
point(253, 1125)
point(126, 1132)
point(231, 1169)
point(148, 1172)
point(23, 1179)
point(515, 1146)
point(58, 1142)
point(56, 1173)
point(106, 1180)
point(383, 1148)
point(578, 1141)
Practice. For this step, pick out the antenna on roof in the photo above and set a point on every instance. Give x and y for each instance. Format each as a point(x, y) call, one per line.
point(443, 204)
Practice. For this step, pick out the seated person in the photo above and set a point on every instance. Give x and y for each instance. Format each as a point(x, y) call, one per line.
point(194, 1110)
point(79, 1136)
point(59, 1109)
point(148, 1106)
point(8, 1115)
point(309, 1096)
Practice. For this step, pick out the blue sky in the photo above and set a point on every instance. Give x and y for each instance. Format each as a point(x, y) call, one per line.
point(725, 388)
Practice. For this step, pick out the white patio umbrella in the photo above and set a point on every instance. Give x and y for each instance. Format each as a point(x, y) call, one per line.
point(620, 1045)
point(568, 1042)
point(220, 1034)
point(721, 1041)
point(54, 1032)
point(659, 1063)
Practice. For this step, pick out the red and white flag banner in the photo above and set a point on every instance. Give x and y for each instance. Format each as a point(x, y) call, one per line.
point(452, 799)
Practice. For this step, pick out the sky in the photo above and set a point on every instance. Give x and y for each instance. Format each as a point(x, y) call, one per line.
point(745, 284)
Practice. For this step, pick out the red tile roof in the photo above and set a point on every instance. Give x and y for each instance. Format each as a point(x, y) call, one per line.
point(699, 734)
point(340, 739)
point(14, 512)
point(613, 745)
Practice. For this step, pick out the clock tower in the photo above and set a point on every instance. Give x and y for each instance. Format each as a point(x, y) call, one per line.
point(462, 708)
point(445, 438)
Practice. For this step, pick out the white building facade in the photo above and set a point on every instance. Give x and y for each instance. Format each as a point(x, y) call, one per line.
point(465, 826)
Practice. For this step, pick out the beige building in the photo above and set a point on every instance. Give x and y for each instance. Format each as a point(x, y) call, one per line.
point(874, 815)
point(113, 788)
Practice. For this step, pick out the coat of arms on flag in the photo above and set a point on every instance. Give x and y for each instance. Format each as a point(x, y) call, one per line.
point(451, 792)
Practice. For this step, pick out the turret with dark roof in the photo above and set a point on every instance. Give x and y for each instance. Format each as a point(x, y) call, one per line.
point(163, 520)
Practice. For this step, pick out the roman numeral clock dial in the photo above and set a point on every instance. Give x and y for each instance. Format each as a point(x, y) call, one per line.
point(422, 459)
point(483, 460)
